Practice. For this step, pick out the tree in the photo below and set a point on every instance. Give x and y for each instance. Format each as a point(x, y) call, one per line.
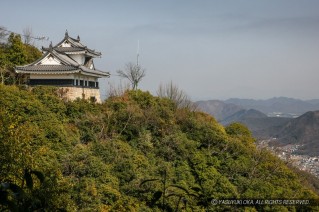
point(3, 34)
point(15, 52)
point(134, 73)
point(27, 34)
point(175, 94)
point(16, 55)
point(237, 129)
point(4, 74)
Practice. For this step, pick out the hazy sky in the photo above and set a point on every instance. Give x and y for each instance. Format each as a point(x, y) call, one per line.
point(210, 49)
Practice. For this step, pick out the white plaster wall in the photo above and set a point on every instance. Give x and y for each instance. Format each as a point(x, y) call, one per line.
point(49, 60)
point(64, 44)
point(51, 76)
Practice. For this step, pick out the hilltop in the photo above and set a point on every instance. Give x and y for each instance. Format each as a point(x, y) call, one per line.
point(134, 152)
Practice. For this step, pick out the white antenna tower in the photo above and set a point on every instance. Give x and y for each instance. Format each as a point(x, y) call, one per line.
point(138, 51)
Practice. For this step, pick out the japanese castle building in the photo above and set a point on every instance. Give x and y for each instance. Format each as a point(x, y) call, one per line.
point(68, 65)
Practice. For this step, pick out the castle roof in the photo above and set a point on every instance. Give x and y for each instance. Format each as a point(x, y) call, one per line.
point(60, 60)
point(72, 45)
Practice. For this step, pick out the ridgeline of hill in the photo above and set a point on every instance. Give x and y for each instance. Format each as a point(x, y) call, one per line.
point(134, 152)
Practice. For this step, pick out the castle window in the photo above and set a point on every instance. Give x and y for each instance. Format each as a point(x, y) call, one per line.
point(91, 84)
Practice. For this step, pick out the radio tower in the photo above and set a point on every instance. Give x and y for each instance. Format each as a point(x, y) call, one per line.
point(138, 51)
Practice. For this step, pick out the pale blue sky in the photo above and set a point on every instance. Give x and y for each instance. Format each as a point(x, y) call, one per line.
point(210, 49)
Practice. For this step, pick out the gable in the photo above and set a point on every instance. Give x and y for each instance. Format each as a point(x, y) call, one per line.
point(65, 44)
point(49, 60)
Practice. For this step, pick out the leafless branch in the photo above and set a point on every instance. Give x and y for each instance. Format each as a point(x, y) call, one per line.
point(134, 73)
point(28, 35)
point(175, 94)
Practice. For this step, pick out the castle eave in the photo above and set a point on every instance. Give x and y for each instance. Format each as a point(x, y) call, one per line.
point(46, 68)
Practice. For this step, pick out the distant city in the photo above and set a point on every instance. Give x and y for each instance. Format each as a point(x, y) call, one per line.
point(284, 115)
point(289, 154)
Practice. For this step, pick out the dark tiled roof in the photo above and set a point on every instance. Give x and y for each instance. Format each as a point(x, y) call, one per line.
point(66, 49)
point(75, 43)
point(47, 68)
point(94, 72)
point(73, 49)
point(56, 69)
point(93, 52)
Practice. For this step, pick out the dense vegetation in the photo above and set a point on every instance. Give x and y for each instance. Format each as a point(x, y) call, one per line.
point(134, 152)
point(14, 52)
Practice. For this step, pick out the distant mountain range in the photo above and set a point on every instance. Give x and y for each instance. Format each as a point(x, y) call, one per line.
point(259, 123)
point(278, 106)
point(274, 107)
point(219, 109)
point(288, 121)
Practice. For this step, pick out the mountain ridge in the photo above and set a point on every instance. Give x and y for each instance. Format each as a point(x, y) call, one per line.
point(276, 106)
point(219, 109)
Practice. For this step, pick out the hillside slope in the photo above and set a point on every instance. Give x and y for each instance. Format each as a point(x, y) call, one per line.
point(135, 152)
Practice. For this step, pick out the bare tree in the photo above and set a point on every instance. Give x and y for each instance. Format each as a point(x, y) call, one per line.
point(3, 34)
point(28, 35)
point(134, 73)
point(4, 73)
point(175, 94)
point(117, 90)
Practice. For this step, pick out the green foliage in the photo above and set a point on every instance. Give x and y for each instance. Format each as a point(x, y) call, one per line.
point(240, 132)
point(32, 53)
point(14, 53)
point(237, 129)
point(135, 152)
